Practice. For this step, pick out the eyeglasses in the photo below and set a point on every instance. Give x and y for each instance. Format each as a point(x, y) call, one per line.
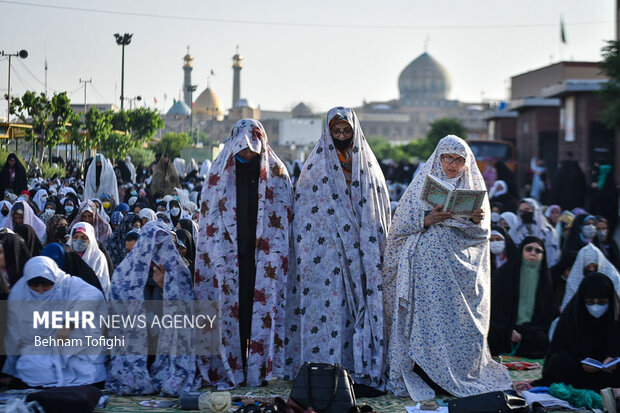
point(535, 249)
point(348, 132)
point(450, 160)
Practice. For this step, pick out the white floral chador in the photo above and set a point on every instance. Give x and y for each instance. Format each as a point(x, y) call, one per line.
point(217, 260)
point(334, 304)
point(437, 291)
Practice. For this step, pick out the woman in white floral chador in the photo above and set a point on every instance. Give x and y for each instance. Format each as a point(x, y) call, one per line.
point(437, 288)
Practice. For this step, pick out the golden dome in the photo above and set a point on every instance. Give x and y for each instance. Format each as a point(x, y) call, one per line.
point(208, 104)
point(237, 59)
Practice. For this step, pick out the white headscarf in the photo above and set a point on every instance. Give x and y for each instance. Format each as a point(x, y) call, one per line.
point(204, 168)
point(5, 219)
point(40, 198)
point(30, 218)
point(589, 255)
point(499, 188)
point(93, 255)
point(107, 181)
point(148, 213)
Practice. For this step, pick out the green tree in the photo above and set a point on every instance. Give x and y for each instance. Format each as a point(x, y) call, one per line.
point(141, 123)
point(383, 149)
point(442, 127)
point(141, 156)
point(50, 118)
point(611, 90)
point(172, 143)
point(419, 148)
point(98, 126)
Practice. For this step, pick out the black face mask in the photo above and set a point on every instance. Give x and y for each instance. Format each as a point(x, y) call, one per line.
point(342, 144)
point(527, 217)
point(5, 212)
point(62, 232)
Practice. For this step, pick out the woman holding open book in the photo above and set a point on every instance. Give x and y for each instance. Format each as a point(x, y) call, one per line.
point(585, 347)
point(437, 286)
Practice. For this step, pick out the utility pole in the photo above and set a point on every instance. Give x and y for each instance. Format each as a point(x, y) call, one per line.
point(23, 54)
point(85, 82)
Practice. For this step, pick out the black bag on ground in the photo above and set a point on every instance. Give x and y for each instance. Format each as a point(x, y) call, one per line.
point(494, 402)
point(74, 399)
point(327, 388)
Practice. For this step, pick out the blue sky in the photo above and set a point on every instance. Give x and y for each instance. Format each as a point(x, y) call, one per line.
point(324, 53)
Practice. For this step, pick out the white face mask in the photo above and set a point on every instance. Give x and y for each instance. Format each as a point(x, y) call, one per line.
point(597, 310)
point(498, 247)
point(589, 231)
point(53, 211)
point(495, 216)
point(79, 245)
point(68, 209)
point(602, 235)
point(175, 212)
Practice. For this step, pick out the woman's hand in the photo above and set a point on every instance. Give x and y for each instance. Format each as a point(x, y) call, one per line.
point(516, 336)
point(159, 271)
point(477, 215)
point(612, 368)
point(590, 369)
point(436, 216)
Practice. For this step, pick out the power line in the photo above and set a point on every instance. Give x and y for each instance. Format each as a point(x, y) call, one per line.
point(297, 24)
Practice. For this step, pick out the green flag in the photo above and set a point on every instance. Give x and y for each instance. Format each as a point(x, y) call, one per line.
point(562, 32)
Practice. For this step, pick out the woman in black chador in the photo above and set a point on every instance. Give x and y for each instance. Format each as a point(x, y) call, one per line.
point(13, 176)
point(588, 328)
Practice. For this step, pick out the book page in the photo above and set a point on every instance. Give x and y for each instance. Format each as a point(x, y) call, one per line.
point(433, 192)
point(592, 362)
point(465, 201)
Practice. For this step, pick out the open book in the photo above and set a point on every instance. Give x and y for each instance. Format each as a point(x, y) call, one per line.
point(460, 202)
point(598, 364)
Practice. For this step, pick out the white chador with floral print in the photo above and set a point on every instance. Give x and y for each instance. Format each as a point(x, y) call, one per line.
point(217, 266)
point(437, 291)
point(334, 305)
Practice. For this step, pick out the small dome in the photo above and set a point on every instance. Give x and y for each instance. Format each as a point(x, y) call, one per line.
point(208, 103)
point(301, 110)
point(179, 108)
point(424, 78)
point(243, 103)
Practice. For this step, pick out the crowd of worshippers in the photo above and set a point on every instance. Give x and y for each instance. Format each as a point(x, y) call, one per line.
point(324, 267)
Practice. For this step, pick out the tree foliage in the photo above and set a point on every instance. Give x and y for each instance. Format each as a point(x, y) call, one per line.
point(141, 123)
point(51, 119)
point(383, 149)
point(443, 127)
point(611, 90)
point(141, 156)
point(172, 143)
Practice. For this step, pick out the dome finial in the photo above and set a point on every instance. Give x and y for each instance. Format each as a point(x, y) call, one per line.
point(427, 39)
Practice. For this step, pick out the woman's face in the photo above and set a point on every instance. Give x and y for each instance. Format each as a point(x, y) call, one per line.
point(592, 267)
point(555, 215)
point(2, 261)
point(533, 252)
point(88, 216)
point(62, 223)
point(452, 164)
point(78, 235)
point(137, 225)
point(246, 154)
point(41, 288)
point(341, 131)
point(18, 219)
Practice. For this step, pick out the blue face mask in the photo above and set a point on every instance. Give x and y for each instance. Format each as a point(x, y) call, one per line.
point(240, 159)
